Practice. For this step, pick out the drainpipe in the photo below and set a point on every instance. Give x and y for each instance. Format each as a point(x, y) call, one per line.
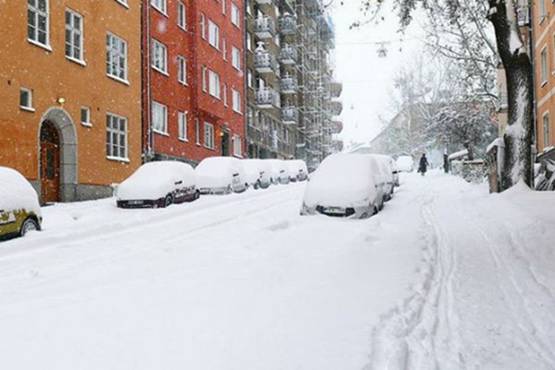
point(534, 133)
point(148, 155)
point(245, 88)
point(195, 70)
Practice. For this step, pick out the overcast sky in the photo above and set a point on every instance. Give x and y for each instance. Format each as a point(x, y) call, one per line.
point(368, 79)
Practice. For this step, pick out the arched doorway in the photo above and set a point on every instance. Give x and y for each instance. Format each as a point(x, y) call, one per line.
point(57, 157)
point(50, 170)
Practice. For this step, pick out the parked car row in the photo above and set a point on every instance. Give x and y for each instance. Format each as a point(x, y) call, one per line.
point(350, 185)
point(161, 183)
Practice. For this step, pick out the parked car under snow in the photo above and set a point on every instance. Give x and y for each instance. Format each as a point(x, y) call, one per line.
point(19, 205)
point(221, 175)
point(297, 170)
point(388, 174)
point(258, 173)
point(158, 184)
point(344, 185)
point(280, 172)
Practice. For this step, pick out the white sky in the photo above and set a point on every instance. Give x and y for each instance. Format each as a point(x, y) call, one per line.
point(367, 79)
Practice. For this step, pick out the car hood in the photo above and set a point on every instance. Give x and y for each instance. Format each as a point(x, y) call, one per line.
point(132, 190)
point(213, 181)
point(338, 195)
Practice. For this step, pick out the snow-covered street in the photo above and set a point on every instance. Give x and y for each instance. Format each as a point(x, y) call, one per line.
point(445, 277)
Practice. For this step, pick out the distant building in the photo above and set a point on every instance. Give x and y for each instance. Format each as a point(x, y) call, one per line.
point(194, 78)
point(70, 71)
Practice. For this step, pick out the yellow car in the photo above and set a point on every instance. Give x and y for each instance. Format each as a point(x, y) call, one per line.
point(19, 205)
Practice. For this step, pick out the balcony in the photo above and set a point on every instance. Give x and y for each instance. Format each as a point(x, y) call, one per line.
point(336, 88)
point(264, 62)
point(288, 55)
point(287, 24)
point(289, 85)
point(267, 98)
point(264, 2)
point(335, 107)
point(336, 127)
point(290, 115)
point(264, 27)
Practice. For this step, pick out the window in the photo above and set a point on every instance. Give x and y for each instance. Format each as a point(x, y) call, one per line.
point(123, 2)
point(544, 69)
point(250, 79)
point(37, 22)
point(86, 116)
point(182, 70)
point(236, 96)
point(159, 5)
point(159, 56)
point(26, 99)
point(159, 118)
point(213, 34)
point(74, 35)
point(237, 150)
point(236, 58)
point(208, 135)
point(204, 79)
point(223, 6)
point(116, 58)
point(214, 84)
point(543, 11)
point(182, 126)
point(249, 41)
point(235, 15)
point(225, 95)
point(181, 15)
point(248, 5)
point(224, 48)
point(203, 26)
point(546, 132)
point(197, 131)
point(116, 137)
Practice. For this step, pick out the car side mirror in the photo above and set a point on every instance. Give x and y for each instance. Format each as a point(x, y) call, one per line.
point(178, 182)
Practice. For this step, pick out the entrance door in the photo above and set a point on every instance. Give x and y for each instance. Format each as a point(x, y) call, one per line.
point(225, 143)
point(49, 163)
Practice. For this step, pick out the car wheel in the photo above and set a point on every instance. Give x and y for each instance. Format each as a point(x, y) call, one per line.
point(229, 189)
point(168, 201)
point(197, 195)
point(376, 210)
point(28, 226)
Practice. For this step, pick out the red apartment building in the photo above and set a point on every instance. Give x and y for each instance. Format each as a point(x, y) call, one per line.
point(193, 80)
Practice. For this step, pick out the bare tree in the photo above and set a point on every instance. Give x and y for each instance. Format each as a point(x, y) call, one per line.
point(516, 62)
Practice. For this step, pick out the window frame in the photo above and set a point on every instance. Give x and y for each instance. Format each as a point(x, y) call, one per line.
point(157, 46)
point(164, 3)
point(88, 122)
point(210, 135)
point(544, 68)
point(34, 39)
point(117, 131)
point(236, 101)
point(109, 57)
point(213, 38)
point(182, 15)
point(214, 84)
point(182, 126)
point(235, 15)
point(236, 58)
point(81, 59)
point(164, 129)
point(182, 70)
point(546, 124)
point(237, 146)
point(29, 92)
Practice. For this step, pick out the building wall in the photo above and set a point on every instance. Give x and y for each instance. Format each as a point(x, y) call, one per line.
point(200, 106)
point(51, 76)
point(544, 39)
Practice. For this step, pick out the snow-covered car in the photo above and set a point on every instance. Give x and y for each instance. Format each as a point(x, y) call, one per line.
point(258, 173)
point(221, 175)
point(344, 185)
point(158, 184)
point(297, 170)
point(389, 177)
point(280, 172)
point(405, 163)
point(19, 205)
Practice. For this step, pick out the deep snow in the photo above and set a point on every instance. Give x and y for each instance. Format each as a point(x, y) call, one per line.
point(446, 277)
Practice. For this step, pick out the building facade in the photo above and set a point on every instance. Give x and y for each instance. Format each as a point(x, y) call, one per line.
point(70, 77)
point(271, 78)
point(194, 79)
point(543, 24)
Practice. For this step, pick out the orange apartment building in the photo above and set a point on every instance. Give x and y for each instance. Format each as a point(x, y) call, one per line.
point(70, 87)
point(543, 17)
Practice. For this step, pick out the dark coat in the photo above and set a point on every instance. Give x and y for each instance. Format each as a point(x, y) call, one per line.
point(423, 165)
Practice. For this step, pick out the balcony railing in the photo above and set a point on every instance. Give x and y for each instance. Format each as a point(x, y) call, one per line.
point(264, 27)
point(336, 88)
point(288, 54)
point(336, 127)
point(335, 107)
point(264, 62)
point(289, 85)
point(290, 115)
point(288, 24)
point(267, 98)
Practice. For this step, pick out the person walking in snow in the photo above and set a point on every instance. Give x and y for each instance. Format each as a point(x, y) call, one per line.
point(423, 165)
